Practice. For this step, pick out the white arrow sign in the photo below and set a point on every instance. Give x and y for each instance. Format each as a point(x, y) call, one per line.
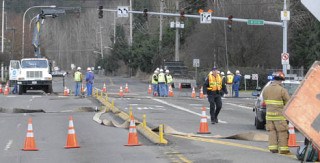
point(313, 7)
point(123, 11)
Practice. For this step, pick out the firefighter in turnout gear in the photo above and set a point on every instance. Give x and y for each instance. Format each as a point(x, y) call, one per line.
point(229, 83)
point(276, 96)
point(213, 84)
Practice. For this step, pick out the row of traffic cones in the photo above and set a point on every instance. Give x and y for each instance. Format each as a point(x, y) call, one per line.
point(30, 143)
point(6, 89)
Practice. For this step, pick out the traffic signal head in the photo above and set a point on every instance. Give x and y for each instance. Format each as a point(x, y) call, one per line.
point(100, 12)
point(182, 14)
point(145, 13)
point(230, 17)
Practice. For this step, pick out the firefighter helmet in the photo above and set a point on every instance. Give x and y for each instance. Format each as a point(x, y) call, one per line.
point(279, 75)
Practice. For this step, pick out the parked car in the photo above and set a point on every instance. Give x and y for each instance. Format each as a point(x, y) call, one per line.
point(260, 106)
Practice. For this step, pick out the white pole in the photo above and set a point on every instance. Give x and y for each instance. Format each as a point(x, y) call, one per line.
point(114, 28)
point(130, 41)
point(2, 39)
point(176, 58)
point(285, 35)
point(101, 47)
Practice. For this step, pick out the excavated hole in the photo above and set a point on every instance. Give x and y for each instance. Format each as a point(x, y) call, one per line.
point(18, 110)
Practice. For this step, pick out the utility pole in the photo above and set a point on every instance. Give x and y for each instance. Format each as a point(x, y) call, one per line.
point(2, 34)
point(285, 38)
point(161, 17)
point(130, 41)
point(114, 28)
point(101, 47)
point(177, 44)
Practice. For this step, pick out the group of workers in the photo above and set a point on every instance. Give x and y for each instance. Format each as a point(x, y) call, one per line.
point(78, 78)
point(161, 82)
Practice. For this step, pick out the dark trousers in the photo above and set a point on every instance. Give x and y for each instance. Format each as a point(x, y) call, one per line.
point(215, 105)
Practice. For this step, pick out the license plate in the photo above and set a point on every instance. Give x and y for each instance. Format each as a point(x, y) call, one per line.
point(34, 82)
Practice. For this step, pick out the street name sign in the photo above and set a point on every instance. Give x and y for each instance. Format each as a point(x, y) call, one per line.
point(255, 22)
point(205, 18)
point(123, 11)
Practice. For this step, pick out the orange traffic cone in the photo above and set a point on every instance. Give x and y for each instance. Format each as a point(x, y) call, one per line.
point(6, 90)
point(30, 143)
point(170, 91)
point(204, 123)
point(133, 136)
point(180, 87)
point(292, 141)
point(121, 92)
point(193, 94)
point(65, 91)
point(104, 88)
point(201, 93)
point(71, 138)
point(82, 88)
point(1, 91)
point(126, 89)
point(149, 89)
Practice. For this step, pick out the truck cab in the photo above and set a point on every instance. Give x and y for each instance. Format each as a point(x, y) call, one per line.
point(35, 74)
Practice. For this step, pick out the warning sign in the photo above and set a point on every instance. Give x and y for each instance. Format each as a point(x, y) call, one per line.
point(303, 109)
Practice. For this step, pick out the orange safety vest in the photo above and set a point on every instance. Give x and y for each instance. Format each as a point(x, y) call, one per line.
point(215, 83)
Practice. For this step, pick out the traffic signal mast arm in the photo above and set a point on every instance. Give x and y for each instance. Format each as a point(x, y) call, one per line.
point(197, 16)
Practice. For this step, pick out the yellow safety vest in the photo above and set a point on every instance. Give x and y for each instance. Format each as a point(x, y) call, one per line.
point(169, 79)
point(154, 76)
point(229, 79)
point(77, 76)
point(215, 83)
point(161, 78)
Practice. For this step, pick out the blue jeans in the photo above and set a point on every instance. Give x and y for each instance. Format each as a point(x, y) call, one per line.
point(155, 89)
point(77, 89)
point(162, 89)
point(89, 89)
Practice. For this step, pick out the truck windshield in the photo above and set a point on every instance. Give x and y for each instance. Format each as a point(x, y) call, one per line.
point(34, 64)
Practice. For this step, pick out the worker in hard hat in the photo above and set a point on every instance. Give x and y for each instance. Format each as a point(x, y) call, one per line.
point(276, 96)
point(213, 85)
point(154, 81)
point(78, 80)
point(224, 87)
point(236, 84)
point(90, 81)
point(169, 81)
point(229, 82)
point(162, 83)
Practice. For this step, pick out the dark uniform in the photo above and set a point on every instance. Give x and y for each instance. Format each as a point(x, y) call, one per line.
point(213, 84)
point(276, 96)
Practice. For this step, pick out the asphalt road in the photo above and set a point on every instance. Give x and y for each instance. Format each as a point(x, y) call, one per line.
point(106, 144)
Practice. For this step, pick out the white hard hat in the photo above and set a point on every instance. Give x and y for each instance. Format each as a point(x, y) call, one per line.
point(167, 71)
point(157, 69)
point(222, 73)
point(88, 69)
point(79, 68)
point(228, 72)
point(237, 72)
point(161, 70)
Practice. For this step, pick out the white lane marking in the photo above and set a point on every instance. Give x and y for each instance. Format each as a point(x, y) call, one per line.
point(11, 96)
point(133, 104)
point(196, 105)
point(18, 125)
point(24, 114)
point(8, 145)
point(158, 106)
point(36, 96)
point(66, 111)
point(139, 108)
point(241, 106)
point(184, 109)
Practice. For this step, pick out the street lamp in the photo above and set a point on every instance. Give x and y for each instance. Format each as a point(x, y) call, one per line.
point(23, 20)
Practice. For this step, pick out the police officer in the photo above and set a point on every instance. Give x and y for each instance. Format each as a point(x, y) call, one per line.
point(276, 96)
point(229, 83)
point(78, 80)
point(154, 81)
point(213, 84)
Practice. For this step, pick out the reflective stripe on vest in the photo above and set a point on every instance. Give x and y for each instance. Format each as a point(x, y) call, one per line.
point(273, 147)
point(274, 116)
point(77, 76)
point(214, 83)
point(274, 102)
point(284, 148)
